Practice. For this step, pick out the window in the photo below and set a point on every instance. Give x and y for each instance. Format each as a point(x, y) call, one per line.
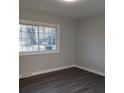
point(35, 38)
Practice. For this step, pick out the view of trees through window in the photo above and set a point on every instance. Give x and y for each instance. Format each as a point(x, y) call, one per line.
point(36, 38)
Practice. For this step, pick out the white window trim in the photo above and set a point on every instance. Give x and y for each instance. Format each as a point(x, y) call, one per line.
point(21, 21)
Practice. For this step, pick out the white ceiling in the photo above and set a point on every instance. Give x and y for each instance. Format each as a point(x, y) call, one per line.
point(77, 9)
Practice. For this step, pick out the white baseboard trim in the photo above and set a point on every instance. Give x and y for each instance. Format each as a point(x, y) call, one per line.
point(60, 68)
point(44, 71)
point(90, 70)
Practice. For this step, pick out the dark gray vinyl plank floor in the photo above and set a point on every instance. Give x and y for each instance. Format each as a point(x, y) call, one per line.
point(72, 80)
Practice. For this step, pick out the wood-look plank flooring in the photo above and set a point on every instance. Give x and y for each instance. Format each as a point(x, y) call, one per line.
point(72, 80)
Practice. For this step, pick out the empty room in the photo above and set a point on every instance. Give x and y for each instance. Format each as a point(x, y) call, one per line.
point(61, 46)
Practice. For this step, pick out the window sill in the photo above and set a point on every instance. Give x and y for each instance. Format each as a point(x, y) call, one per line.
point(37, 53)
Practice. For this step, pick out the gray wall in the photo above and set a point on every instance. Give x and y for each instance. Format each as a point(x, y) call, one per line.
point(81, 43)
point(66, 57)
point(91, 43)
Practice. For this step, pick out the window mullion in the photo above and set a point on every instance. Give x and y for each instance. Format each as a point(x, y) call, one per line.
point(38, 40)
point(21, 41)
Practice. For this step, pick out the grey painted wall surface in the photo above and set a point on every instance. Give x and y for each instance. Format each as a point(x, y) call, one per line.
point(66, 57)
point(91, 43)
point(81, 43)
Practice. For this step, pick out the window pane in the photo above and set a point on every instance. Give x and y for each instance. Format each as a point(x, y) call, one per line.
point(24, 35)
point(52, 38)
point(24, 41)
point(20, 47)
point(23, 44)
point(37, 38)
point(24, 48)
point(33, 44)
point(33, 35)
point(41, 29)
point(20, 35)
point(29, 45)
point(35, 28)
point(32, 32)
point(29, 29)
point(47, 39)
point(22, 27)
point(41, 39)
point(33, 41)
point(32, 48)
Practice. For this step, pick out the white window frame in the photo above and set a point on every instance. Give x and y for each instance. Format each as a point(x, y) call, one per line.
point(27, 22)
